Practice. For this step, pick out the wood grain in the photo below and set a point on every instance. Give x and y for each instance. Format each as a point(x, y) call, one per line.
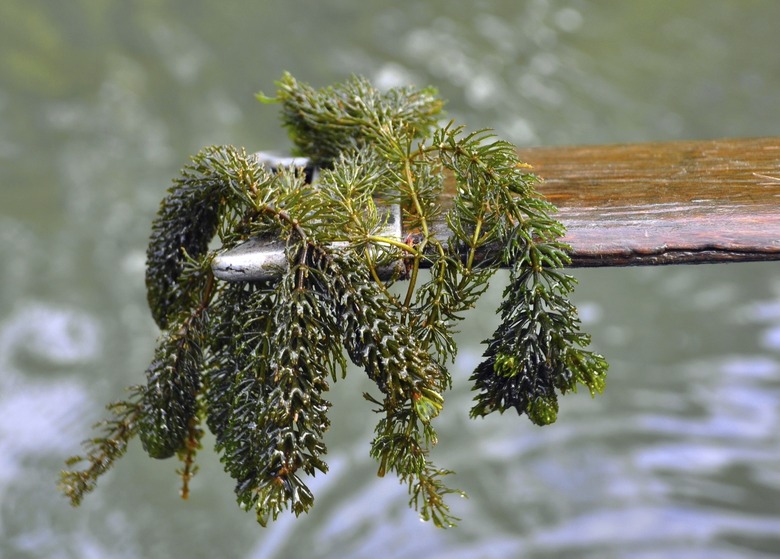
point(665, 203)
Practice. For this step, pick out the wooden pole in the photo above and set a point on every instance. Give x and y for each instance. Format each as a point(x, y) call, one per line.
point(665, 203)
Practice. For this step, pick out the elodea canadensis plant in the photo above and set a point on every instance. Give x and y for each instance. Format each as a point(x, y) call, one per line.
point(252, 360)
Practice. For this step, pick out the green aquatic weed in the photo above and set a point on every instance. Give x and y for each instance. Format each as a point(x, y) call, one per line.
point(253, 359)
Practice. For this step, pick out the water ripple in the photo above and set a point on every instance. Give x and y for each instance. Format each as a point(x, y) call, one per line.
point(49, 335)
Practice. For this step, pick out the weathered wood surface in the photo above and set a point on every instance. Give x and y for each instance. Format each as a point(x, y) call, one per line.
point(665, 203)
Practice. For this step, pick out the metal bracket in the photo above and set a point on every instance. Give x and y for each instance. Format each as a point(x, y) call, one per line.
point(262, 260)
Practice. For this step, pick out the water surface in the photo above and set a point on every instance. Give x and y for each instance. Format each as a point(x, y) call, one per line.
point(102, 102)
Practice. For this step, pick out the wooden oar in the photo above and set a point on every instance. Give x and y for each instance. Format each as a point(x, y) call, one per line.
point(636, 204)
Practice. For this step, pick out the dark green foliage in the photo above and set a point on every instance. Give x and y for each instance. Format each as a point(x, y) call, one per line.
point(102, 451)
point(324, 123)
point(254, 360)
point(537, 350)
point(185, 224)
point(405, 373)
point(169, 402)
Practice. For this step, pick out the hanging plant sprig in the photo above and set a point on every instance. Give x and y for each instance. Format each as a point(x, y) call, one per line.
point(253, 359)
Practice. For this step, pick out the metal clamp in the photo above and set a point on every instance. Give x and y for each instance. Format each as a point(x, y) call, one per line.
point(260, 259)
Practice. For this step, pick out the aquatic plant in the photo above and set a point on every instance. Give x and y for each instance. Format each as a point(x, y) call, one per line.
point(253, 360)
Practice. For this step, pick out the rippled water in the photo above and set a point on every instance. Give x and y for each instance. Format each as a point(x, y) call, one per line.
point(102, 102)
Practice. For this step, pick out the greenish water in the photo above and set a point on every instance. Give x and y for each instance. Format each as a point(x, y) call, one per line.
point(102, 102)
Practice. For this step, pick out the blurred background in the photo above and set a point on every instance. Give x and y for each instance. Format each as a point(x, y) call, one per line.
point(103, 101)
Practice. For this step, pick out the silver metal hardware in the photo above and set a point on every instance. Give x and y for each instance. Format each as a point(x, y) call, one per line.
point(260, 259)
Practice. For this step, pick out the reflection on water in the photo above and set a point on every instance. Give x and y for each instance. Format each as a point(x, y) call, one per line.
point(100, 104)
point(40, 349)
